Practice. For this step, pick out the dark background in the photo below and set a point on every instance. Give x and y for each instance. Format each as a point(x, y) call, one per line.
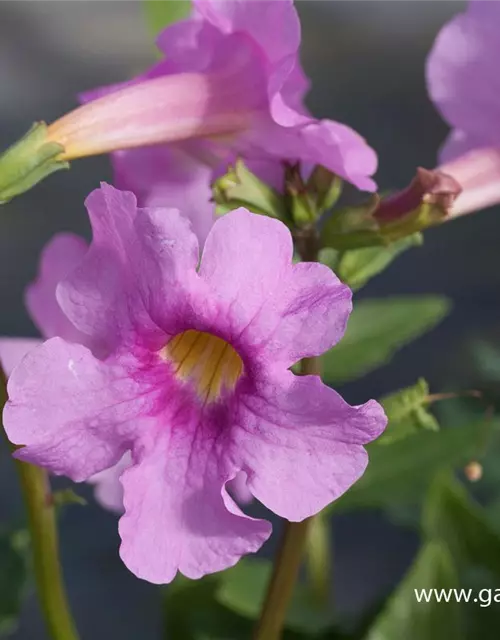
point(366, 61)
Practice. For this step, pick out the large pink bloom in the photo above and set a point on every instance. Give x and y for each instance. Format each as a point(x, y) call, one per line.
point(190, 372)
point(248, 53)
point(463, 82)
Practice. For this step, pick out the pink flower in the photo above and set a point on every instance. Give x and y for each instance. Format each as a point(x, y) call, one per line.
point(462, 77)
point(189, 370)
point(61, 255)
point(241, 93)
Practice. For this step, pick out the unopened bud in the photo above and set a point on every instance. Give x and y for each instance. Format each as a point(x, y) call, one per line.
point(325, 187)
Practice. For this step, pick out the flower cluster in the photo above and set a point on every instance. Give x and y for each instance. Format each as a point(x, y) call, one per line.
point(231, 84)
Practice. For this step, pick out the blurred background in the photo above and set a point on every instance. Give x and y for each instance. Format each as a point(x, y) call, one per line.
point(366, 63)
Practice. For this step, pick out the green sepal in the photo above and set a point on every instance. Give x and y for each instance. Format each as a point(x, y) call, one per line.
point(357, 266)
point(29, 161)
point(325, 187)
point(239, 187)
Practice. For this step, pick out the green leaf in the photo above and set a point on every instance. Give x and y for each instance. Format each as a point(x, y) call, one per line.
point(487, 357)
point(161, 13)
point(451, 516)
point(407, 413)
point(377, 328)
point(13, 576)
point(193, 613)
point(358, 266)
point(243, 588)
point(401, 472)
point(404, 618)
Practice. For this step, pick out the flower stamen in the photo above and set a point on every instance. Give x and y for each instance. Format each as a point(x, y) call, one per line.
point(208, 362)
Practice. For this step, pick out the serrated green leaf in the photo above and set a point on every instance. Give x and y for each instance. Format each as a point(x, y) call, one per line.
point(13, 576)
point(406, 412)
point(404, 618)
point(402, 472)
point(162, 13)
point(242, 590)
point(377, 328)
point(358, 266)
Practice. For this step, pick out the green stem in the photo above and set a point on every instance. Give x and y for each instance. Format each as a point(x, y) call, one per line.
point(286, 569)
point(44, 543)
point(319, 560)
point(287, 563)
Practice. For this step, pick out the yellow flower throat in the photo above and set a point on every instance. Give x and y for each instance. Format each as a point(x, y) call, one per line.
point(209, 362)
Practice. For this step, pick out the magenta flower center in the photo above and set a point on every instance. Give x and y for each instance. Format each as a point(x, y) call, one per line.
point(208, 362)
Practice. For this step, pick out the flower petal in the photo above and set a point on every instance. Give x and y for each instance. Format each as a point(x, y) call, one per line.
point(166, 177)
point(138, 258)
point(73, 413)
point(178, 516)
point(289, 311)
point(273, 24)
point(108, 488)
point(239, 490)
point(59, 257)
point(300, 444)
point(13, 350)
point(462, 74)
point(325, 142)
point(457, 144)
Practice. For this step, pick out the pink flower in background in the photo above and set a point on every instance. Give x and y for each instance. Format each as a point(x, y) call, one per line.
point(60, 256)
point(189, 373)
point(248, 53)
point(462, 77)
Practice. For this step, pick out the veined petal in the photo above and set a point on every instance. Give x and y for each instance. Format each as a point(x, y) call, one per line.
point(287, 312)
point(139, 259)
point(178, 515)
point(69, 411)
point(297, 432)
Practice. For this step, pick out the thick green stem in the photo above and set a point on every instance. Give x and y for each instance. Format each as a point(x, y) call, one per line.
point(44, 543)
point(286, 569)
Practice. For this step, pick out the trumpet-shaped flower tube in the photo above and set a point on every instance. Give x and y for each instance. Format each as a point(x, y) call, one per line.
point(250, 105)
point(188, 371)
